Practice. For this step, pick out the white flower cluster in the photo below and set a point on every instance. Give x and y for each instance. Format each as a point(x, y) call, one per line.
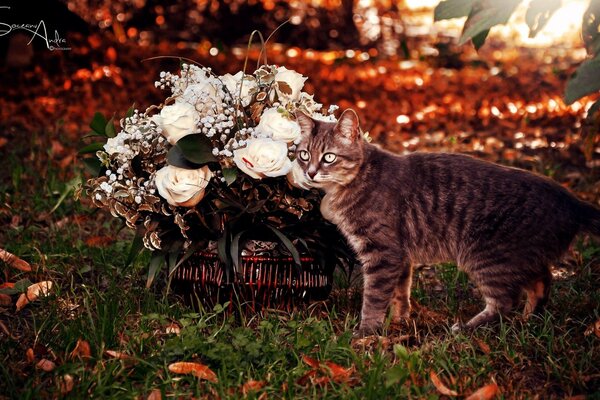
point(248, 118)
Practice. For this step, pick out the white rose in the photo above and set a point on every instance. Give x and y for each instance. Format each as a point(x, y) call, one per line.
point(233, 82)
point(180, 186)
point(277, 126)
point(297, 177)
point(294, 82)
point(177, 120)
point(205, 96)
point(263, 158)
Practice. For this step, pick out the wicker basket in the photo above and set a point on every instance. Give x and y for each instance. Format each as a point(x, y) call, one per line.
point(261, 282)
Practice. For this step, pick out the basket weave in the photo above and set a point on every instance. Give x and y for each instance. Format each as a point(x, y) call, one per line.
point(261, 282)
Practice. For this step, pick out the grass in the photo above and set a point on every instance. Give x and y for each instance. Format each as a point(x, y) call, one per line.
point(97, 299)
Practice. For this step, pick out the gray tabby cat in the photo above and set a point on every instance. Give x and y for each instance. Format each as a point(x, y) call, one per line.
point(503, 226)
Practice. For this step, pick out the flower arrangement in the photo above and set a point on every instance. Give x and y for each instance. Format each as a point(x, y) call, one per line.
point(212, 167)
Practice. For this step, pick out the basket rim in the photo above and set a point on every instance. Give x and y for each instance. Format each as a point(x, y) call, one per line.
point(260, 258)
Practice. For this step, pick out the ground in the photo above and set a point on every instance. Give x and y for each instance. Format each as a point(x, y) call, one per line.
point(504, 107)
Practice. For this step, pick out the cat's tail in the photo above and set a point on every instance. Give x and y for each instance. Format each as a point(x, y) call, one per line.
point(590, 218)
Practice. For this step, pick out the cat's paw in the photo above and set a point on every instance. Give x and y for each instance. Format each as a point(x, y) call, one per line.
point(363, 332)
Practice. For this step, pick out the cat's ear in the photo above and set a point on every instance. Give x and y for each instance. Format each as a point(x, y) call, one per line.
point(306, 123)
point(347, 125)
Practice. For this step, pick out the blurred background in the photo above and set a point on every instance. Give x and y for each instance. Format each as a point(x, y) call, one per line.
point(412, 85)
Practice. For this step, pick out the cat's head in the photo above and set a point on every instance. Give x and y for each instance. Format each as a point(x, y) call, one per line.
point(329, 153)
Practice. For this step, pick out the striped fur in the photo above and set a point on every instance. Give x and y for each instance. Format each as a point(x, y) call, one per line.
point(503, 226)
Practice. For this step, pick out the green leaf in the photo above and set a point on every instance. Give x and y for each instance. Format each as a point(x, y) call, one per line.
point(156, 263)
point(223, 244)
point(452, 9)
point(98, 124)
point(137, 244)
point(230, 175)
point(585, 81)
point(109, 129)
point(590, 28)
point(235, 249)
point(197, 148)
point(287, 243)
point(69, 187)
point(20, 287)
point(396, 375)
point(92, 148)
point(479, 40)
point(486, 14)
point(176, 158)
point(539, 13)
point(129, 112)
point(593, 110)
point(93, 165)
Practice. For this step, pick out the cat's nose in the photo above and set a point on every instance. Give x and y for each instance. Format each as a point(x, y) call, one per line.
point(311, 173)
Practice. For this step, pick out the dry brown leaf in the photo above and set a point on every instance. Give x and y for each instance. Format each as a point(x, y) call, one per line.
point(311, 362)
point(443, 389)
point(252, 386)
point(191, 368)
point(173, 328)
point(45, 365)
point(33, 292)
point(304, 379)
point(99, 241)
point(483, 346)
point(338, 373)
point(5, 300)
point(486, 392)
point(66, 383)
point(14, 261)
point(118, 355)
point(29, 355)
point(155, 395)
point(81, 350)
point(593, 328)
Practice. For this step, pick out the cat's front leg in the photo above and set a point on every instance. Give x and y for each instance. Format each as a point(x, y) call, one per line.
point(387, 279)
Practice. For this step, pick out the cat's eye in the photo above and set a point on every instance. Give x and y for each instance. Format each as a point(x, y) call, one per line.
point(329, 158)
point(304, 155)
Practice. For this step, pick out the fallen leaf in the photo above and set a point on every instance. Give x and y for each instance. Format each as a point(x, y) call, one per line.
point(483, 346)
point(33, 292)
point(311, 362)
point(443, 389)
point(99, 241)
point(30, 355)
point(5, 300)
point(155, 395)
point(191, 368)
point(321, 380)
point(118, 355)
point(593, 328)
point(45, 365)
point(338, 373)
point(486, 392)
point(7, 285)
point(252, 386)
point(173, 328)
point(81, 350)
point(14, 261)
point(66, 383)
point(303, 380)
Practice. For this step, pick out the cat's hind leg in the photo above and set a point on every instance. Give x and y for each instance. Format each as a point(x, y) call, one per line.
point(500, 298)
